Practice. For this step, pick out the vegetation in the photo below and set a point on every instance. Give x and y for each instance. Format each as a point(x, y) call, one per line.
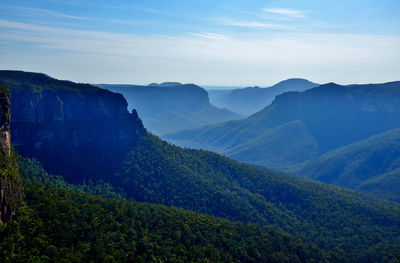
point(347, 225)
point(32, 172)
point(371, 166)
point(278, 217)
point(39, 82)
point(60, 224)
point(10, 184)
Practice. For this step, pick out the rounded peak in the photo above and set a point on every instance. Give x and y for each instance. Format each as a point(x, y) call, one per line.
point(294, 81)
point(330, 84)
point(165, 84)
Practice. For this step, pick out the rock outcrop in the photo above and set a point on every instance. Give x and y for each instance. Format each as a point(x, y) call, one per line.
point(76, 130)
point(10, 185)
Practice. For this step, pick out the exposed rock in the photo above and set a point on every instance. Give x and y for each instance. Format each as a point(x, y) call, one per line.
point(10, 185)
point(76, 130)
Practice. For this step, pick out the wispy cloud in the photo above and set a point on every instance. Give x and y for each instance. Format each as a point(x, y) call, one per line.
point(259, 25)
point(113, 6)
point(210, 36)
point(35, 12)
point(286, 12)
point(204, 57)
point(38, 11)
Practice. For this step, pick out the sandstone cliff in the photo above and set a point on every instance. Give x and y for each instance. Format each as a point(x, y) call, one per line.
point(10, 185)
point(76, 130)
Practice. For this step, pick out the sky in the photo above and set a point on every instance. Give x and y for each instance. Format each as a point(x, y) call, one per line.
point(213, 43)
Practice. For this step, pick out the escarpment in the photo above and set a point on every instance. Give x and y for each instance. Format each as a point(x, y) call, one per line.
point(10, 185)
point(75, 130)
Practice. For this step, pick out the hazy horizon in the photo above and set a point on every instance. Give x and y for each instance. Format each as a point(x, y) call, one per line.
point(209, 43)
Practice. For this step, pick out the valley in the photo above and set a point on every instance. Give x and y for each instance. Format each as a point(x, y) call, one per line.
point(60, 124)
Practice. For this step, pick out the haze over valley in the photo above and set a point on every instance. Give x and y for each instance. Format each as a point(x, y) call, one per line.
point(243, 131)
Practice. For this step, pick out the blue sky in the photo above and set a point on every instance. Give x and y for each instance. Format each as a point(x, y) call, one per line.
point(228, 43)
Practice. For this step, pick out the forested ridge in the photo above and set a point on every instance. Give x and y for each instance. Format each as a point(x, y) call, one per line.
point(371, 166)
point(347, 225)
point(61, 223)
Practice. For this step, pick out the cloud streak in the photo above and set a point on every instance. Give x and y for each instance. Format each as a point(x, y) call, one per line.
point(38, 11)
point(114, 6)
point(260, 25)
point(286, 12)
point(204, 57)
point(212, 36)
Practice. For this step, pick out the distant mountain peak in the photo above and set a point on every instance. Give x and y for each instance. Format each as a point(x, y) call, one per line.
point(165, 84)
point(293, 81)
point(331, 84)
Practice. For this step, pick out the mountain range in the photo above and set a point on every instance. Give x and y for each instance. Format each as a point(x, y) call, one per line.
point(249, 100)
point(299, 126)
point(284, 218)
point(171, 106)
point(50, 220)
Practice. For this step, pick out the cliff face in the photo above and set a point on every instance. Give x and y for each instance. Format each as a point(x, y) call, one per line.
point(76, 130)
point(169, 107)
point(10, 185)
point(5, 141)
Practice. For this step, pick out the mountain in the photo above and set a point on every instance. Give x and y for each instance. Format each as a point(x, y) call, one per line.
point(372, 166)
point(249, 100)
point(299, 126)
point(59, 222)
point(165, 84)
point(171, 106)
point(332, 224)
point(76, 130)
point(10, 184)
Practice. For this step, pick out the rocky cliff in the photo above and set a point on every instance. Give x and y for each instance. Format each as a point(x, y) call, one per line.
point(76, 130)
point(171, 106)
point(10, 185)
point(5, 119)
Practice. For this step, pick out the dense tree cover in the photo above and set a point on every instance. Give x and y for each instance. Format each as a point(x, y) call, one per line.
point(9, 166)
point(31, 171)
point(371, 166)
point(39, 82)
point(10, 185)
point(347, 225)
point(60, 223)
